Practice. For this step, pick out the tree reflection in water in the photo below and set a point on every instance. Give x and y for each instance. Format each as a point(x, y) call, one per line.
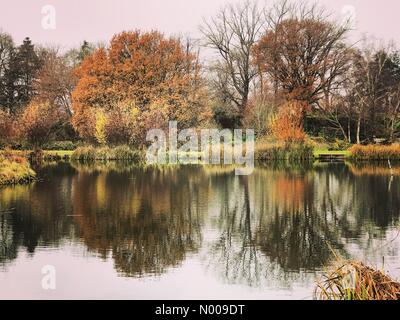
point(147, 218)
point(234, 252)
point(272, 228)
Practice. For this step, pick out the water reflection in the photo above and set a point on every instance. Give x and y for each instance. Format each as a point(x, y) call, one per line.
point(271, 229)
point(147, 218)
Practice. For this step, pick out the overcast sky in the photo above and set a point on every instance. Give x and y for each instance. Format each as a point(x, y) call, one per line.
point(98, 20)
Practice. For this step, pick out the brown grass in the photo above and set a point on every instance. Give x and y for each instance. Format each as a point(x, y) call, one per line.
point(15, 169)
point(351, 280)
point(375, 152)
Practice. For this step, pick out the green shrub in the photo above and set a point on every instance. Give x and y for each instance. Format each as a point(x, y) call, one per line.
point(61, 145)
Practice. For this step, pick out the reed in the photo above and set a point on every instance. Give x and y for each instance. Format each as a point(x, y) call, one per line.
point(352, 280)
point(90, 153)
point(375, 152)
point(289, 152)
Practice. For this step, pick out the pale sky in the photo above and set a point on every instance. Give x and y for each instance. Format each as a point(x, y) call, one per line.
point(98, 20)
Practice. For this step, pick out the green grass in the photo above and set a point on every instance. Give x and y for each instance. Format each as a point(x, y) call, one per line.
point(318, 152)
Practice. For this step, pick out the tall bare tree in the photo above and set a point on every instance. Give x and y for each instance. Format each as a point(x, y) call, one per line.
point(55, 81)
point(232, 33)
point(368, 67)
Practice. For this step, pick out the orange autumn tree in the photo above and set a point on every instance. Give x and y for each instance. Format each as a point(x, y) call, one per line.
point(305, 57)
point(140, 77)
point(287, 125)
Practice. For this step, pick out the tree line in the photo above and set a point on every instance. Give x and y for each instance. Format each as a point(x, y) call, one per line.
point(287, 70)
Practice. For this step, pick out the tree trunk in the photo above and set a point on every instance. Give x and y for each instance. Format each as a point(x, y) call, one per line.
point(343, 132)
point(358, 130)
point(392, 130)
point(349, 130)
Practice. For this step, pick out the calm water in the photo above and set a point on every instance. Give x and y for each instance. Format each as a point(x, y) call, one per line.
point(116, 231)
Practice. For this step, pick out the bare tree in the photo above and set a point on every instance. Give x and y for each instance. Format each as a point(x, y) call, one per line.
point(367, 73)
point(232, 33)
point(393, 110)
point(55, 80)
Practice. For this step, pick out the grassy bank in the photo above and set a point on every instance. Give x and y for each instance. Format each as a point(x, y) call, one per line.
point(264, 151)
point(15, 169)
point(375, 152)
point(318, 152)
point(90, 153)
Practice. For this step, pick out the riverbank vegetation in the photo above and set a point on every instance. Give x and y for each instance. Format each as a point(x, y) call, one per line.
point(375, 152)
point(15, 170)
point(287, 152)
point(112, 94)
point(352, 280)
point(90, 153)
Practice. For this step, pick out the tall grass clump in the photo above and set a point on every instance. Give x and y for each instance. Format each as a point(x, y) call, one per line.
point(351, 280)
point(15, 169)
point(375, 152)
point(90, 153)
point(287, 152)
point(86, 153)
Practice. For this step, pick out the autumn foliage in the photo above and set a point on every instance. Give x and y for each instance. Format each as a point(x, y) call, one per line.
point(287, 125)
point(305, 57)
point(142, 76)
point(37, 122)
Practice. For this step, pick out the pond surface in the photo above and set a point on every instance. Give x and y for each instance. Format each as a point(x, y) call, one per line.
point(194, 232)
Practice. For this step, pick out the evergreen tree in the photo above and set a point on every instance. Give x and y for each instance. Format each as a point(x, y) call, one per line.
point(24, 66)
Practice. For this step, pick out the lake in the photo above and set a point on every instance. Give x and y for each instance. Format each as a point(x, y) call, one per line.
point(117, 231)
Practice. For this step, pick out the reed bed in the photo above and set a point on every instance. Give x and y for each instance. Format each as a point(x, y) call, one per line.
point(375, 152)
point(90, 153)
point(287, 152)
point(351, 280)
